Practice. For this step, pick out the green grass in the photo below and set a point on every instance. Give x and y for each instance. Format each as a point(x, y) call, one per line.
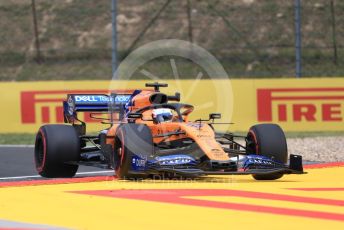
point(313, 134)
point(305, 134)
point(97, 66)
point(75, 38)
point(17, 139)
point(29, 139)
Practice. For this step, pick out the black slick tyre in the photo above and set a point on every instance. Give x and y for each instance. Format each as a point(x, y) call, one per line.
point(131, 140)
point(267, 140)
point(55, 147)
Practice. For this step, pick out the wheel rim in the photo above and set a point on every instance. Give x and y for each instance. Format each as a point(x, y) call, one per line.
point(40, 152)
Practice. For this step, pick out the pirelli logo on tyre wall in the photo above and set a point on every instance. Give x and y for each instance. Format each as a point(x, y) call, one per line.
point(315, 104)
point(300, 105)
point(40, 107)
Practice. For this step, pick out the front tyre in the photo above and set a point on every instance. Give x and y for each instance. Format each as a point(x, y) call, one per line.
point(55, 147)
point(267, 140)
point(132, 142)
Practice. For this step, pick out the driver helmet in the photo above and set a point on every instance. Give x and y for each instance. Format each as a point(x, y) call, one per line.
point(162, 115)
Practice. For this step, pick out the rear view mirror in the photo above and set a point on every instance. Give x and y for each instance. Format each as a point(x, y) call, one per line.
point(214, 116)
point(176, 97)
point(135, 115)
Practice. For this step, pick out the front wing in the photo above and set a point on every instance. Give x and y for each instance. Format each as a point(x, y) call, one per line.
point(294, 167)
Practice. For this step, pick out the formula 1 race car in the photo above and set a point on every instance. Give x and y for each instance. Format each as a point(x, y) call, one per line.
point(150, 135)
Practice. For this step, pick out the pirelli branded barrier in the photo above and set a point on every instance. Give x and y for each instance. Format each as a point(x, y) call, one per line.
point(315, 104)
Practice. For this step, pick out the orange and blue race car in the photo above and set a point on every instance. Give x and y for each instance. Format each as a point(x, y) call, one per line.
point(150, 135)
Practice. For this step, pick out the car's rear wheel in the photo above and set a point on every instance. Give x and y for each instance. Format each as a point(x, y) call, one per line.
point(267, 140)
point(133, 143)
point(56, 147)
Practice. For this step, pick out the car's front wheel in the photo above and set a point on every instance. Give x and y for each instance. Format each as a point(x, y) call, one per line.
point(133, 146)
point(267, 140)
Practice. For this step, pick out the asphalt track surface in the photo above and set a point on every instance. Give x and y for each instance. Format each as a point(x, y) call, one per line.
point(17, 163)
point(97, 200)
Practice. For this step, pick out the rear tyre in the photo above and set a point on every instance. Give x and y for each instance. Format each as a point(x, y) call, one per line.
point(132, 140)
point(55, 147)
point(267, 140)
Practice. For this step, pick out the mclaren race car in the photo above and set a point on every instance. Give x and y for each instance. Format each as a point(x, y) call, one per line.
point(149, 134)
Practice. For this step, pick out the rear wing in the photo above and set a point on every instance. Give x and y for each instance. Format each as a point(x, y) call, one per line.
point(95, 103)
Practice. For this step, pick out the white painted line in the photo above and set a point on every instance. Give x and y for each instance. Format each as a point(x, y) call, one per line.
point(19, 177)
point(96, 172)
point(17, 146)
point(38, 176)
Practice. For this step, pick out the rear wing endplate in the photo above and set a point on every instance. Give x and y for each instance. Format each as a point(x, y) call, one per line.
point(93, 103)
